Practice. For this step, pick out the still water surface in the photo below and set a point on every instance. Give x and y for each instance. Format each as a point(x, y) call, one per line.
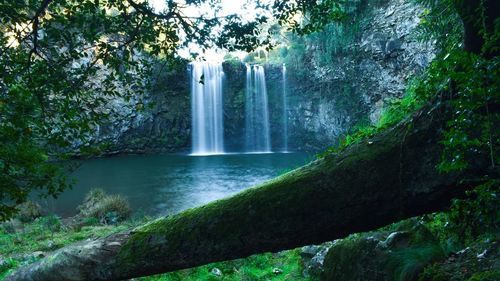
point(165, 184)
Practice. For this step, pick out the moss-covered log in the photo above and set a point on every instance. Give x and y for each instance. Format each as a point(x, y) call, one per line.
point(379, 181)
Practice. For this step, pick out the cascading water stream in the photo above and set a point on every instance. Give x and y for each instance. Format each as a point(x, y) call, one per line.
point(285, 110)
point(206, 107)
point(257, 133)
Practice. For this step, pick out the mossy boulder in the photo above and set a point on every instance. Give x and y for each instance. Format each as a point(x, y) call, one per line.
point(400, 254)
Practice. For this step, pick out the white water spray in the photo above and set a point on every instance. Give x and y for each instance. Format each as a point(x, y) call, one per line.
point(206, 107)
point(285, 109)
point(257, 133)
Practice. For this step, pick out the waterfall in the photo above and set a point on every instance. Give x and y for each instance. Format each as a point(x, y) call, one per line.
point(206, 107)
point(285, 110)
point(257, 133)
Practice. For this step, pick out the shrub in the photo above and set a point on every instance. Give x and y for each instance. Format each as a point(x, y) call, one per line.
point(108, 209)
point(93, 197)
point(28, 211)
point(51, 223)
point(477, 214)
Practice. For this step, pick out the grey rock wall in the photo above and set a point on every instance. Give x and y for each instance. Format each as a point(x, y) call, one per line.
point(333, 98)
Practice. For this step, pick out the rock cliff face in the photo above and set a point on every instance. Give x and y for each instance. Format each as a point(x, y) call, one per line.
point(329, 90)
point(356, 82)
point(162, 122)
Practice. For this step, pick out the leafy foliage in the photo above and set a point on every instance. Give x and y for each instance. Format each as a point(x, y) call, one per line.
point(471, 132)
point(308, 16)
point(297, 42)
point(440, 22)
point(478, 214)
point(468, 219)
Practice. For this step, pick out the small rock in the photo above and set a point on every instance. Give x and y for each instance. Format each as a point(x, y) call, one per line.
point(38, 254)
point(277, 271)
point(463, 251)
point(396, 240)
point(482, 255)
point(215, 271)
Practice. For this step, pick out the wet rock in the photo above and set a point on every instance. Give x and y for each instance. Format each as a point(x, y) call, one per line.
point(215, 271)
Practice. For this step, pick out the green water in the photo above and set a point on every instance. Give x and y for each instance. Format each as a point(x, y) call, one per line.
point(165, 184)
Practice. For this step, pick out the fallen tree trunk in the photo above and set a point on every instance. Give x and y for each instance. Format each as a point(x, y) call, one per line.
point(387, 178)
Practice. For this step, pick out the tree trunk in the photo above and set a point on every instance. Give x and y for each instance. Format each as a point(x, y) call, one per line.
point(387, 178)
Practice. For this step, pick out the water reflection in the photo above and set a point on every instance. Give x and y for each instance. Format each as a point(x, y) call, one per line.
point(162, 184)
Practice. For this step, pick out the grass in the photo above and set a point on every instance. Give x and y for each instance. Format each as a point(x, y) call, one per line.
point(43, 234)
point(37, 236)
point(286, 265)
point(407, 263)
